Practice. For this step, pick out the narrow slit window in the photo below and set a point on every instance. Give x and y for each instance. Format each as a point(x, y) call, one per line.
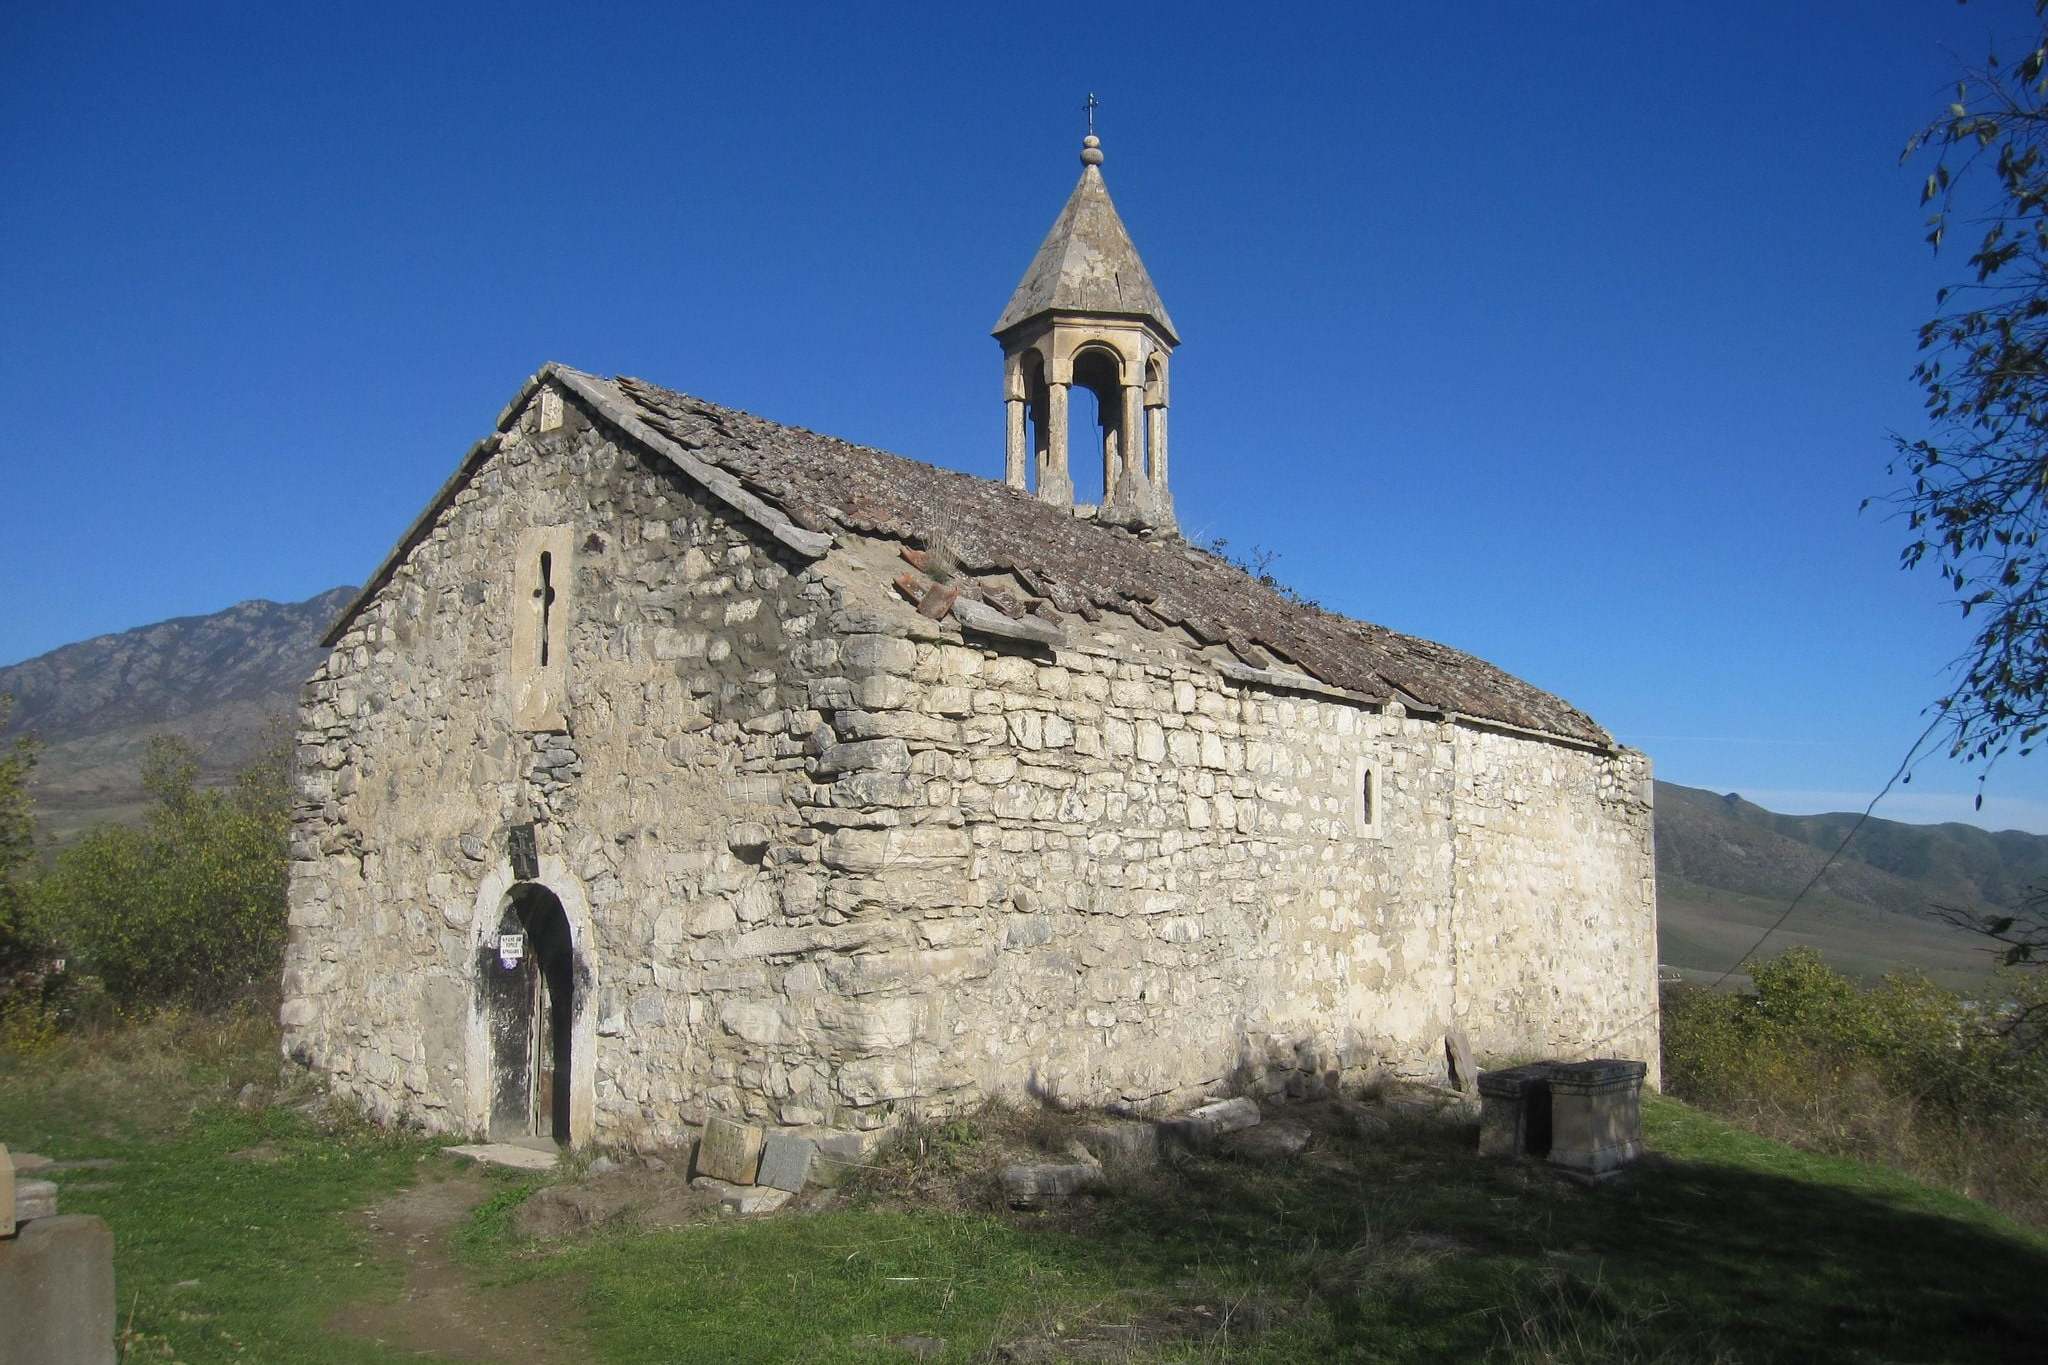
point(1365, 822)
point(542, 606)
point(544, 599)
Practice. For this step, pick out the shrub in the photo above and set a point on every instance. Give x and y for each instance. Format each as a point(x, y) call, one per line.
point(21, 946)
point(191, 907)
point(1903, 1072)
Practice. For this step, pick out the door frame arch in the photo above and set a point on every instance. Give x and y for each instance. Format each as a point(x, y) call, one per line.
point(492, 896)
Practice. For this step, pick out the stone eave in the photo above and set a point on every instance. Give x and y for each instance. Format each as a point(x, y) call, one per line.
point(607, 406)
point(1147, 320)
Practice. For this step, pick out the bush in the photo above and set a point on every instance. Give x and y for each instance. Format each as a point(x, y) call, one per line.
point(21, 947)
point(190, 908)
point(1903, 1072)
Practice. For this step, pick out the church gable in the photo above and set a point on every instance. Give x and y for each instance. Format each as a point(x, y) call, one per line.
point(556, 399)
point(558, 544)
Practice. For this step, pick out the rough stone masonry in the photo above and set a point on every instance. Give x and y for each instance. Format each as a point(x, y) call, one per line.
point(680, 765)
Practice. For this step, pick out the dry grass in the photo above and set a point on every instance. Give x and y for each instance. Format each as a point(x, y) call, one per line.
point(145, 1073)
point(955, 1163)
point(1848, 1111)
point(1569, 1319)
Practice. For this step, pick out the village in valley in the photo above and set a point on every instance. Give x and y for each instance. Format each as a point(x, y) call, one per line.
point(722, 891)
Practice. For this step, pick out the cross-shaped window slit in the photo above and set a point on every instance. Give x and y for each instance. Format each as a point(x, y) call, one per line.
point(544, 598)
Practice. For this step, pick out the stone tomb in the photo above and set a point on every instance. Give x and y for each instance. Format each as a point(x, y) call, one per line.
point(1582, 1117)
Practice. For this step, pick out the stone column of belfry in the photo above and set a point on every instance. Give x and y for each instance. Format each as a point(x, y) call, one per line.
point(1155, 447)
point(1055, 484)
point(1112, 453)
point(1133, 420)
point(1013, 447)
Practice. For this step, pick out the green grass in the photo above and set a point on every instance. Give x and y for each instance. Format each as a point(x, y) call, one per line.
point(1402, 1247)
point(215, 1258)
point(1728, 1248)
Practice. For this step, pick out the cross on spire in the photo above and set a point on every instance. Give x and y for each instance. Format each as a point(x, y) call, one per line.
point(1089, 108)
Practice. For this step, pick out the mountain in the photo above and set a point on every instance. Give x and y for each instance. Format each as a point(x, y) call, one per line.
point(221, 681)
point(1726, 868)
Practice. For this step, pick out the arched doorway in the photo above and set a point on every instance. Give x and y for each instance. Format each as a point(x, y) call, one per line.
point(528, 969)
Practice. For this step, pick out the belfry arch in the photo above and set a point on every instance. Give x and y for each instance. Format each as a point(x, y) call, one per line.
point(1100, 371)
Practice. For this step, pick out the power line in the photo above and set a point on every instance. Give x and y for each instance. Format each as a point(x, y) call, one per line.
point(1898, 774)
point(1905, 766)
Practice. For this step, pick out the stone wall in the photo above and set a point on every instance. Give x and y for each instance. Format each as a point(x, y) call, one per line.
point(825, 858)
point(656, 811)
point(1169, 887)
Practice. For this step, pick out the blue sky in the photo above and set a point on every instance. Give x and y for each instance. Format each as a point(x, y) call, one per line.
point(1569, 335)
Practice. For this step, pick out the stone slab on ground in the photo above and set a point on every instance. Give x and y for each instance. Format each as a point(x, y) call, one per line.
point(1361, 1118)
point(34, 1199)
point(730, 1151)
point(1280, 1140)
point(742, 1199)
point(1028, 1185)
point(28, 1163)
point(57, 1293)
point(630, 1197)
point(752, 1199)
point(1203, 1126)
point(6, 1194)
point(786, 1161)
point(506, 1155)
point(840, 1152)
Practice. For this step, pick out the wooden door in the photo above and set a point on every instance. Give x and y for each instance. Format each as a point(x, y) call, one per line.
point(513, 994)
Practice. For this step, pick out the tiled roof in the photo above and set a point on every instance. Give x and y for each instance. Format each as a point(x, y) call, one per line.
point(1081, 566)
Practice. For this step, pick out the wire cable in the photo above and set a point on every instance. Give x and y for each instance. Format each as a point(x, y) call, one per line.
point(1898, 775)
point(1905, 766)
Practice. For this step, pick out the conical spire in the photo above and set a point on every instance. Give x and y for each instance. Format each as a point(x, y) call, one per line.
point(1087, 263)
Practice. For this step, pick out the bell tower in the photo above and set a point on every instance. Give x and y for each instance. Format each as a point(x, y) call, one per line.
point(1086, 314)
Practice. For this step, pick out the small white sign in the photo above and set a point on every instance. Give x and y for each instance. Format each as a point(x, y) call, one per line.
point(511, 947)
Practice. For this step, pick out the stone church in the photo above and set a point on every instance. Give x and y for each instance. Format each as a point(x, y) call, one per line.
point(677, 763)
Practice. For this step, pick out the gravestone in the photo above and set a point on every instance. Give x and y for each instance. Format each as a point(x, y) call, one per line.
point(786, 1161)
point(730, 1151)
point(1458, 1058)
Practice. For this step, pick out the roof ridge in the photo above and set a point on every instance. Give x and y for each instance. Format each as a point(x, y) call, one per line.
point(797, 484)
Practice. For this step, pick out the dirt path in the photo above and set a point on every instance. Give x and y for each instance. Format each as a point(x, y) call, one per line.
point(442, 1311)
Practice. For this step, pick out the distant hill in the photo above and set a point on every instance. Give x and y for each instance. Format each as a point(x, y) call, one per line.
point(220, 681)
point(1725, 868)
